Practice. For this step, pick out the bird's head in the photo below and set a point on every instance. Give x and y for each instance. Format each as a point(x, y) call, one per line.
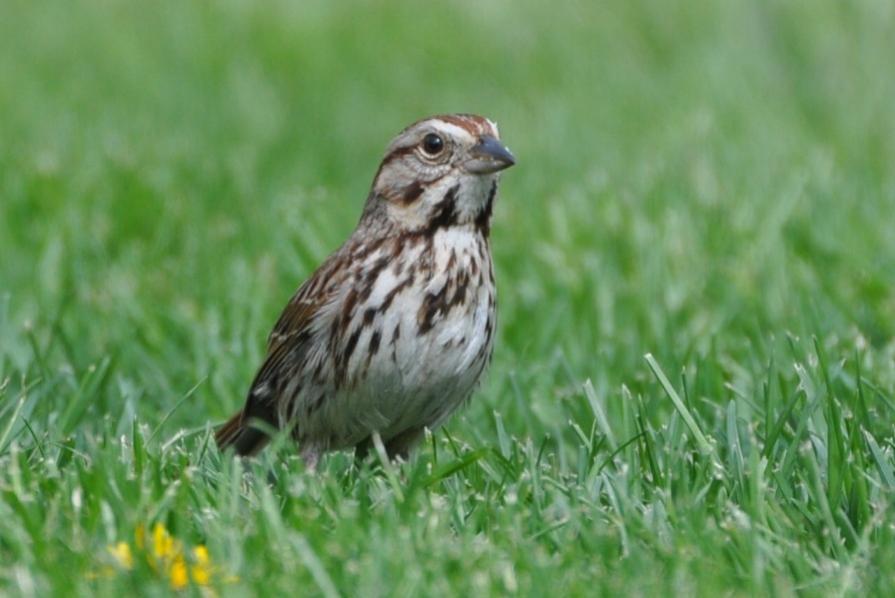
point(440, 171)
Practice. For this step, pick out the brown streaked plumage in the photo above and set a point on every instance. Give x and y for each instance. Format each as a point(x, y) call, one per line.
point(392, 332)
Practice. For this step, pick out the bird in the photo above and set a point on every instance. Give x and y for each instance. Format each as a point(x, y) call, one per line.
point(392, 332)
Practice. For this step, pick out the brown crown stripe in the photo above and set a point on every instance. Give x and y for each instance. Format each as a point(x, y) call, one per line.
point(471, 123)
point(464, 123)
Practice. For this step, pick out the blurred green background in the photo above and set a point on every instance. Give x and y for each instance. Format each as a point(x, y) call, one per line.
point(712, 183)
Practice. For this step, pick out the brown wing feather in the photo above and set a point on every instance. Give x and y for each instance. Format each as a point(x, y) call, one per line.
point(289, 338)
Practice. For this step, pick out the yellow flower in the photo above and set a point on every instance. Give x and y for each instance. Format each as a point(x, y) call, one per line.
point(167, 557)
point(163, 545)
point(177, 573)
point(121, 552)
point(201, 570)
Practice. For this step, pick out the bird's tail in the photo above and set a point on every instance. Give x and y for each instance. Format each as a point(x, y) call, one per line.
point(245, 439)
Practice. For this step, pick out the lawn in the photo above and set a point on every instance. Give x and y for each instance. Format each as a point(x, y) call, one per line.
point(693, 387)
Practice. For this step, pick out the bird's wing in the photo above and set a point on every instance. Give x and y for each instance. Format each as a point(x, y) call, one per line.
point(296, 327)
point(287, 347)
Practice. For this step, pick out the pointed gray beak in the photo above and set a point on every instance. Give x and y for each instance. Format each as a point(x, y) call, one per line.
point(489, 155)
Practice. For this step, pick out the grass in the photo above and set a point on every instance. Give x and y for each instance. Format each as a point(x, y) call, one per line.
point(707, 186)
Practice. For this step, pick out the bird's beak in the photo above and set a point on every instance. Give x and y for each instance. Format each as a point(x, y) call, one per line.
point(488, 155)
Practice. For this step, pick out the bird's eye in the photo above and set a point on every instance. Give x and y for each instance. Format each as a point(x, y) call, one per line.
point(433, 144)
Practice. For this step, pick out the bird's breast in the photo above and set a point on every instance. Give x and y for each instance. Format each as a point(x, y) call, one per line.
point(424, 333)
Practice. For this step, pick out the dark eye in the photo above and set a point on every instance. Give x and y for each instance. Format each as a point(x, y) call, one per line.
point(433, 144)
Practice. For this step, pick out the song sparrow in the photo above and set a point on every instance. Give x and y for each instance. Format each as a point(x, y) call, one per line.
point(391, 334)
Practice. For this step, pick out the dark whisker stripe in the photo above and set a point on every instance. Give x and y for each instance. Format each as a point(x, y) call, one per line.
point(483, 220)
point(444, 213)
